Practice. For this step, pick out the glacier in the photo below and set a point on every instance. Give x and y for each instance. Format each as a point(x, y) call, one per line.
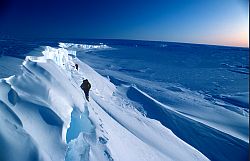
point(45, 116)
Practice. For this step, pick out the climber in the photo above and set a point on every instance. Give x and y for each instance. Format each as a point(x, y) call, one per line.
point(76, 65)
point(85, 86)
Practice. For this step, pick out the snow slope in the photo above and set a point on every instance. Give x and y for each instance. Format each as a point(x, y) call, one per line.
point(44, 112)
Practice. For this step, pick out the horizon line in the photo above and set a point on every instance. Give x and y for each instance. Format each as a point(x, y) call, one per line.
point(195, 43)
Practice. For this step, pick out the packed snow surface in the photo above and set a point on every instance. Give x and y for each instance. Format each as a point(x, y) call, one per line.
point(44, 111)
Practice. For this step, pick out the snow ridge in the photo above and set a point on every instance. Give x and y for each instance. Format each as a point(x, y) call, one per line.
point(83, 46)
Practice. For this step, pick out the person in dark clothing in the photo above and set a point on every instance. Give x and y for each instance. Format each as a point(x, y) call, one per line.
point(76, 66)
point(85, 86)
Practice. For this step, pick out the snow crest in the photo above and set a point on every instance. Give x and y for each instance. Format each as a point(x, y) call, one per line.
point(83, 46)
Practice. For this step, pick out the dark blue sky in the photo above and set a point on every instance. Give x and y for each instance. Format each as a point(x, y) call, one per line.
point(222, 22)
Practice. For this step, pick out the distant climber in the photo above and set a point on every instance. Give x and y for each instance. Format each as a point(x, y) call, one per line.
point(85, 86)
point(76, 66)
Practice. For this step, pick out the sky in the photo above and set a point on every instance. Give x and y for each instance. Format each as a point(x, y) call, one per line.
point(220, 22)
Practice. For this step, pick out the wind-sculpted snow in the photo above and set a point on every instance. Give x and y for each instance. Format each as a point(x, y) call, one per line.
point(37, 96)
point(44, 111)
point(76, 47)
point(211, 142)
point(238, 99)
point(44, 116)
